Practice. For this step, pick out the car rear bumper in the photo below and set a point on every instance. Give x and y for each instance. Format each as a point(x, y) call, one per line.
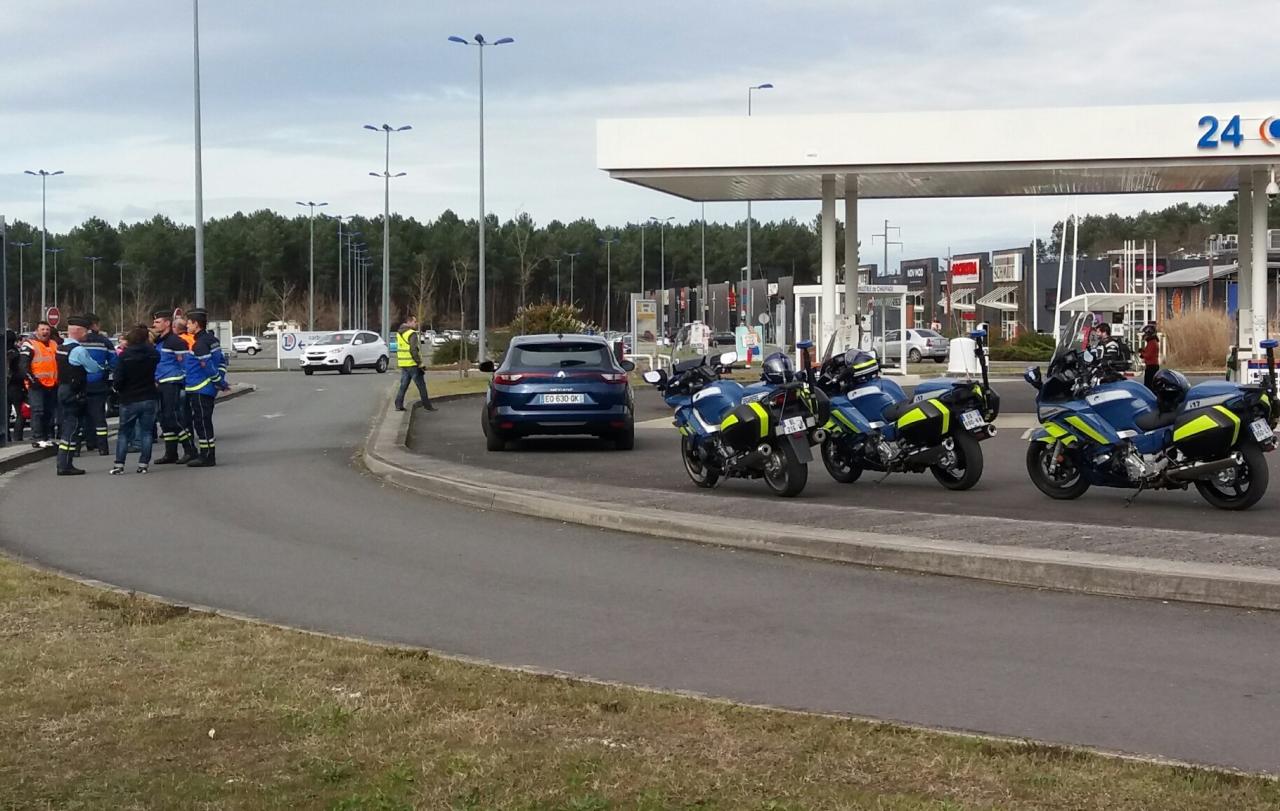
point(511, 422)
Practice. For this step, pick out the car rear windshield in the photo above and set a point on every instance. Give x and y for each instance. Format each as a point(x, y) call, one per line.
point(525, 357)
point(927, 333)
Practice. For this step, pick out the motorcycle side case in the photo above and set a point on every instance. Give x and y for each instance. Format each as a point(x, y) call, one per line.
point(745, 427)
point(1206, 433)
point(926, 424)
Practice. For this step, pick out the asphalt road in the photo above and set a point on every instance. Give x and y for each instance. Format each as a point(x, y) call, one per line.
point(291, 533)
point(1005, 490)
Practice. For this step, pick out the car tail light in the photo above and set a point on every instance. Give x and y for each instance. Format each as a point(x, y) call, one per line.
point(507, 379)
point(614, 377)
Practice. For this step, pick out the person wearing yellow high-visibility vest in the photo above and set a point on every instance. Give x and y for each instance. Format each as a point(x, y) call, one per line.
point(412, 368)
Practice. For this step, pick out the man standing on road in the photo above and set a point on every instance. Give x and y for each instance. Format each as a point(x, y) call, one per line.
point(75, 364)
point(39, 362)
point(413, 369)
point(171, 380)
point(206, 369)
point(98, 386)
point(135, 383)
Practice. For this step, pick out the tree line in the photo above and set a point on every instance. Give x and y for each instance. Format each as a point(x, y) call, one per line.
point(256, 264)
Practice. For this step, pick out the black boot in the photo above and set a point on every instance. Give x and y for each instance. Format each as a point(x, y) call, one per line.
point(65, 468)
point(170, 453)
point(205, 459)
point(189, 453)
point(104, 447)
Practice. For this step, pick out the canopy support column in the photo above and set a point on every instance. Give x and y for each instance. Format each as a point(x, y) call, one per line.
point(853, 335)
point(828, 259)
point(1244, 278)
point(1258, 251)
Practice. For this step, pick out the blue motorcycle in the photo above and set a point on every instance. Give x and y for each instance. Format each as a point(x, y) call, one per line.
point(761, 431)
point(1099, 428)
point(875, 426)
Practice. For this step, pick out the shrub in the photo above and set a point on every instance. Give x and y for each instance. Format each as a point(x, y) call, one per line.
point(450, 352)
point(1197, 340)
point(550, 318)
point(1028, 347)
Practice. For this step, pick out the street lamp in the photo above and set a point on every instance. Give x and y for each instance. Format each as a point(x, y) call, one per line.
point(44, 232)
point(55, 252)
point(195, 49)
point(348, 286)
point(558, 260)
point(311, 286)
point(93, 281)
point(608, 279)
point(479, 41)
point(121, 265)
point(571, 256)
point(749, 302)
point(662, 263)
point(386, 226)
point(22, 253)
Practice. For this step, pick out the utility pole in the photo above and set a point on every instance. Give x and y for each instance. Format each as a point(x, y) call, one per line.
point(93, 281)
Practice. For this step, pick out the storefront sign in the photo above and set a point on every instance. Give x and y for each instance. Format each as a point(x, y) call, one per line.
point(1006, 267)
point(966, 271)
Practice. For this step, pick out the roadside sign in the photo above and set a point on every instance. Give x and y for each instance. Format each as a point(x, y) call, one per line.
point(53, 315)
point(763, 318)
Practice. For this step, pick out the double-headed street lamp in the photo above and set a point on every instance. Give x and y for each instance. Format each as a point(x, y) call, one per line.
point(93, 281)
point(386, 226)
point(311, 286)
point(662, 262)
point(572, 255)
point(608, 278)
point(44, 232)
point(480, 42)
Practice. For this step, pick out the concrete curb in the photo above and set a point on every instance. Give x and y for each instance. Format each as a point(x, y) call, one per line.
point(386, 456)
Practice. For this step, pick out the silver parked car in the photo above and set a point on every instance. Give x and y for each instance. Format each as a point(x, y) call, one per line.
point(921, 344)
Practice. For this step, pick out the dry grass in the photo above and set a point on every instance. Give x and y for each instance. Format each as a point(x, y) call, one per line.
point(117, 702)
point(1197, 340)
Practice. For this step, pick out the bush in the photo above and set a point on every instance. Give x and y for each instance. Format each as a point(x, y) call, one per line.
point(1197, 340)
point(1027, 347)
point(550, 318)
point(450, 352)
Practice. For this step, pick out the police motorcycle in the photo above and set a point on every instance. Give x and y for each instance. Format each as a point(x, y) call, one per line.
point(727, 430)
point(1099, 428)
point(875, 426)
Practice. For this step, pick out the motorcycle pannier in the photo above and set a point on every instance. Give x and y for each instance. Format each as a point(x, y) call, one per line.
point(926, 424)
point(1206, 433)
point(745, 427)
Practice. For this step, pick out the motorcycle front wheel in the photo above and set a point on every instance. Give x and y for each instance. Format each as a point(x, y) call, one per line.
point(1064, 481)
point(785, 474)
point(965, 471)
point(1240, 487)
point(838, 462)
point(700, 473)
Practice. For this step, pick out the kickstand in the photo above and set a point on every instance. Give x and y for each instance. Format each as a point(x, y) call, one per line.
point(885, 476)
point(1128, 502)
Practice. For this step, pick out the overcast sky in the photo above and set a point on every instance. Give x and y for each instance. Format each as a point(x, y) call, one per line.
point(102, 90)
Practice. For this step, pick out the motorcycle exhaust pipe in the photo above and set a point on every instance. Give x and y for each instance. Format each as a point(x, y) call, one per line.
point(1199, 470)
point(764, 450)
point(819, 436)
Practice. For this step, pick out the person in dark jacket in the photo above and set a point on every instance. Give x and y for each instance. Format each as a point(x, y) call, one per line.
point(1150, 354)
point(16, 384)
point(135, 385)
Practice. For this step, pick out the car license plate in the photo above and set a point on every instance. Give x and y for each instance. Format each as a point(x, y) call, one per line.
point(562, 399)
point(793, 425)
point(1261, 431)
point(971, 420)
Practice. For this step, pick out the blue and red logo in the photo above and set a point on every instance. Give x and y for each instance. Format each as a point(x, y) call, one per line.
point(1232, 133)
point(1270, 130)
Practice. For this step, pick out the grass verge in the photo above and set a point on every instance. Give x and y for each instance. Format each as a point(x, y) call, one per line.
point(111, 701)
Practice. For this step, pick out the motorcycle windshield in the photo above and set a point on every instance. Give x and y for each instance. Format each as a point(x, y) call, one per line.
point(1073, 335)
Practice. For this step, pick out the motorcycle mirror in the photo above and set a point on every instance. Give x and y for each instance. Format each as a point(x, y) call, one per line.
point(728, 358)
point(628, 366)
point(1032, 376)
point(652, 376)
point(487, 366)
point(1086, 356)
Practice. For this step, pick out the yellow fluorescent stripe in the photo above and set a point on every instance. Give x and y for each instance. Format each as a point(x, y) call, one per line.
point(732, 419)
point(846, 421)
point(1083, 427)
point(1200, 424)
point(1235, 421)
point(1055, 430)
point(912, 416)
point(946, 415)
point(764, 418)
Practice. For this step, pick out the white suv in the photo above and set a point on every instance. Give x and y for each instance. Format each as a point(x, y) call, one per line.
point(246, 343)
point(344, 351)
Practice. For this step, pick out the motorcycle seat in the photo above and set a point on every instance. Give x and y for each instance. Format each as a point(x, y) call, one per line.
point(894, 412)
point(1152, 420)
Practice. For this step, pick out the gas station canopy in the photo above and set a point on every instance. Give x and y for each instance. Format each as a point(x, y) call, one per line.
point(959, 153)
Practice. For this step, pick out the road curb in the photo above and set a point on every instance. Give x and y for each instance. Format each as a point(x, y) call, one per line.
point(386, 456)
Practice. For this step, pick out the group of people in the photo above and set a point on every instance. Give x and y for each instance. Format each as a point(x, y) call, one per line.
point(170, 373)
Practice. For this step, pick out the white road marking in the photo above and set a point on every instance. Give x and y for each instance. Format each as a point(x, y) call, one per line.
point(271, 416)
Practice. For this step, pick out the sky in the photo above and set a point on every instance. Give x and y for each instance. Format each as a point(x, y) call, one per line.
point(103, 91)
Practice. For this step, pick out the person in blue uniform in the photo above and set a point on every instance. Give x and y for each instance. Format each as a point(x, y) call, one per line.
point(171, 377)
point(75, 364)
point(97, 386)
point(206, 374)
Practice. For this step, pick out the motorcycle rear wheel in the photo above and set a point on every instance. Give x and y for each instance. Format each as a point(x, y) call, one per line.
point(786, 475)
point(1230, 495)
point(700, 473)
point(1067, 483)
point(837, 462)
point(968, 467)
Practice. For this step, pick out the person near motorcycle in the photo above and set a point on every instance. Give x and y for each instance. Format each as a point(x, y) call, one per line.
point(1114, 352)
point(1150, 355)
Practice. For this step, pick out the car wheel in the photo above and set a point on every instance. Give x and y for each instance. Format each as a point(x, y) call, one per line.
point(625, 439)
point(253, 350)
point(347, 366)
point(914, 355)
point(308, 372)
point(381, 366)
point(939, 360)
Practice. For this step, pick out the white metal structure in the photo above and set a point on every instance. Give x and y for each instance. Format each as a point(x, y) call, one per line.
point(969, 153)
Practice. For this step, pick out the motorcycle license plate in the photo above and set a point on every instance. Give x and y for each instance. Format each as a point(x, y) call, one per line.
point(793, 425)
point(1261, 431)
point(971, 420)
point(562, 399)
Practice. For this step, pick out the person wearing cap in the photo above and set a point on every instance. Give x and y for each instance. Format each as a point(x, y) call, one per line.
point(75, 364)
point(171, 382)
point(98, 386)
point(206, 373)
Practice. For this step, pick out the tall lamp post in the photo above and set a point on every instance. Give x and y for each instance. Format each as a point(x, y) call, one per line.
point(55, 252)
point(93, 281)
point(749, 297)
point(195, 49)
point(480, 42)
point(662, 265)
point(121, 265)
point(311, 285)
point(22, 254)
point(558, 260)
point(608, 279)
point(339, 218)
point(44, 233)
point(572, 255)
point(349, 286)
point(386, 226)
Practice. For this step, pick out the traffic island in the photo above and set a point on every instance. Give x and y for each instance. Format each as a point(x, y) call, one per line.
point(891, 539)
